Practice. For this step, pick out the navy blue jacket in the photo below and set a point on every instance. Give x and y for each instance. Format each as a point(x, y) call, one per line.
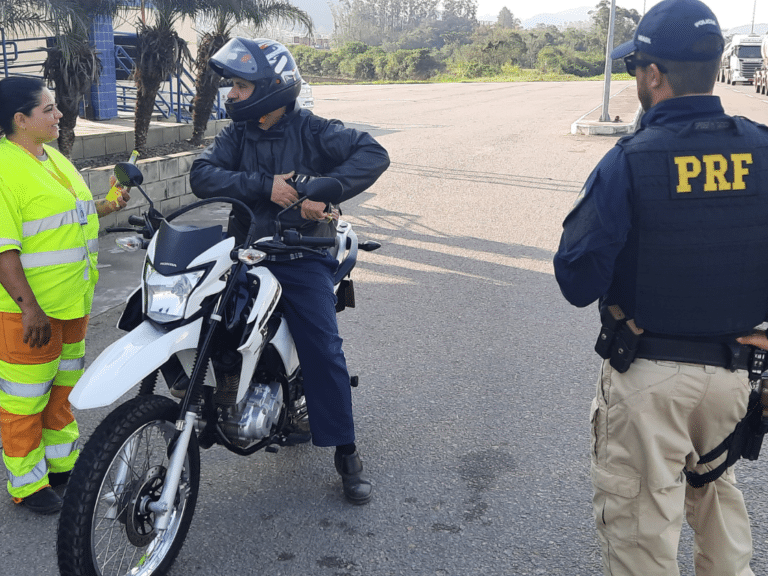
point(243, 159)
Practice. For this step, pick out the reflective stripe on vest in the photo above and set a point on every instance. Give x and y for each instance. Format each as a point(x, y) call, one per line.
point(25, 390)
point(60, 450)
point(9, 242)
point(72, 364)
point(37, 473)
point(53, 258)
point(56, 221)
point(38, 259)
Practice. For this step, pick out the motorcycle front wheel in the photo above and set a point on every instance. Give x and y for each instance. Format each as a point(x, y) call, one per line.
point(105, 528)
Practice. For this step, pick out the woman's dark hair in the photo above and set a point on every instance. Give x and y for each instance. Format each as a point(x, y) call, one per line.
point(18, 94)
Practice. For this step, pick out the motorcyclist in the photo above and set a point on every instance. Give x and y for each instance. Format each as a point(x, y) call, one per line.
point(270, 140)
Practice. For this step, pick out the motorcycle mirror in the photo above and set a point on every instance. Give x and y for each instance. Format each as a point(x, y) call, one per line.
point(128, 174)
point(321, 189)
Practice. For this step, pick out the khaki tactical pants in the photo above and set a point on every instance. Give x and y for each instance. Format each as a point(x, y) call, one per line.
point(647, 425)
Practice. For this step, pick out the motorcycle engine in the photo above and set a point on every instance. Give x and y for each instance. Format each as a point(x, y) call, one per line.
point(253, 418)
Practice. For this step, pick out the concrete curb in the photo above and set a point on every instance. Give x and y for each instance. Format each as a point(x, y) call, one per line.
point(595, 127)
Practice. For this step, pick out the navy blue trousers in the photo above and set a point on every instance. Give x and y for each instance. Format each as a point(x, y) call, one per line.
point(309, 305)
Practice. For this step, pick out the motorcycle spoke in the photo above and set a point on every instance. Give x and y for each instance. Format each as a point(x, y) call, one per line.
point(115, 553)
point(107, 527)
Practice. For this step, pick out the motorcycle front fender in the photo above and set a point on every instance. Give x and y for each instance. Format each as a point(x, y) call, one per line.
point(127, 361)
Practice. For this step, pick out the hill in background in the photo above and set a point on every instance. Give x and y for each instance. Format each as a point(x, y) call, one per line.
point(323, 18)
point(746, 29)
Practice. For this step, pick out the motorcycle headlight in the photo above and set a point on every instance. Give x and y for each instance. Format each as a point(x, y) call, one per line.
point(166, 296)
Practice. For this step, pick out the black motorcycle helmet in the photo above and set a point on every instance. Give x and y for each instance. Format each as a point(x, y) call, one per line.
point(266, 63)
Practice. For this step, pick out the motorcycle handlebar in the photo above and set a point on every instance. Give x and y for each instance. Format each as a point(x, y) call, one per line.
point(293, 238)
point(135, 220)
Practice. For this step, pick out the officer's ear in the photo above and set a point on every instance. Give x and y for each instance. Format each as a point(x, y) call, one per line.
point(656, 78)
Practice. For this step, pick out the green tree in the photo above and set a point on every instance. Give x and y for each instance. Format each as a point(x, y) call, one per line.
point(466, 9)
point(223, 16)
point(71, 63)
point(309, 60)
point(537, 39)
point(624, 24)
point(564, 60)
point(22, 18)
point(507, 20)
point(160, 52)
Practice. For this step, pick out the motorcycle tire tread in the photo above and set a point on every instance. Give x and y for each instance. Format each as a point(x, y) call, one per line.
point(73, 546)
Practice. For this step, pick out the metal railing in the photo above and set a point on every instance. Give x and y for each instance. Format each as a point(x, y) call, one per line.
point(16, 57)
point(174, 98)
point(25, 57)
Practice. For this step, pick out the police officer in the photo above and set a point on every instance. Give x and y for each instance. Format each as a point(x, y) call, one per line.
point(670, 233)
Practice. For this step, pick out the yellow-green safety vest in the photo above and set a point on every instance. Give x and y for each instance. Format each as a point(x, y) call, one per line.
point(49, 215)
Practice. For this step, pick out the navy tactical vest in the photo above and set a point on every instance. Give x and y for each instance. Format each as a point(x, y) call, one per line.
point(696, 260)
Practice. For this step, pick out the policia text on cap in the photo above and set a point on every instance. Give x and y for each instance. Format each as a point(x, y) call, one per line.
point(670, 234)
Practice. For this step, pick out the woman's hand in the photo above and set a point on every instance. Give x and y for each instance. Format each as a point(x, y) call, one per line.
point(105, 207)
point(37, 327)
point(35, 323)
point(123, 197)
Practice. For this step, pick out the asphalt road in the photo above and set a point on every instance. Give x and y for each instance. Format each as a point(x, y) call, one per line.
point(476, 375)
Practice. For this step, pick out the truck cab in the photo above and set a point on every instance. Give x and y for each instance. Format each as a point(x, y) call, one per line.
point(741, 58)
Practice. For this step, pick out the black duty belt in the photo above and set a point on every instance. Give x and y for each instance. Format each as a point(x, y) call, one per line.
point(733, 356)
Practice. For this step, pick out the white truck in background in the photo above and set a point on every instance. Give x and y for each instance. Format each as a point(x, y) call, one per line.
point(761, 75)
point(741, 59)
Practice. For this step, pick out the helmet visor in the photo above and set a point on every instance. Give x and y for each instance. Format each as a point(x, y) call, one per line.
point(234, 60)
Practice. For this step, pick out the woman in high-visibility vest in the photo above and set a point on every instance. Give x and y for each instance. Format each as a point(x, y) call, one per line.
point(48, 251)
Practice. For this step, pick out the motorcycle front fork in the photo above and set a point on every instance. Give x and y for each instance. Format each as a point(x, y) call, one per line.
point(163, 507)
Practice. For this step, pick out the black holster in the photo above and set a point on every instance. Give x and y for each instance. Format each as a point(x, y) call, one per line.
point(611, 319)
point(747, 439)
point(624, 347)
point(618, 338)
point(744, 442)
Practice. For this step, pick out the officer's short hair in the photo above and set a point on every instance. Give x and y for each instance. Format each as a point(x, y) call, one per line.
point(696, 77)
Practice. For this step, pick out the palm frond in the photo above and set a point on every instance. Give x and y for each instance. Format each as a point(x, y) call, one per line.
point(21, 19)
point(224, 15)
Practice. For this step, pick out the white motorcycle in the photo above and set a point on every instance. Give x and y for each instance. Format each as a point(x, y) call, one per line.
point(207, 317)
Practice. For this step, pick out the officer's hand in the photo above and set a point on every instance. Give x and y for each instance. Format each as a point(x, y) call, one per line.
point(757, 338)
point(283, 194)
point(37, 327)
point(311, 210)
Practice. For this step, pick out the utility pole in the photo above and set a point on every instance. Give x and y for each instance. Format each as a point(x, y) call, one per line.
point(605, 117)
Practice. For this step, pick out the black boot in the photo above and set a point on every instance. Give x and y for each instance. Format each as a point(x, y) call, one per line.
point(44, 501)
point(57, 479)
point(356, 490)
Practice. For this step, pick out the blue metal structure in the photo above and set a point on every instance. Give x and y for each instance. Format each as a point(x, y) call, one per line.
point(174, 99)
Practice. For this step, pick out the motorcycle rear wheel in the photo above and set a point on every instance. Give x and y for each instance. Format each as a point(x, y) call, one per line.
point(105, 528)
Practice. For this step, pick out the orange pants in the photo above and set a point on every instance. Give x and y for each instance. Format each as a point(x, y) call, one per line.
point(39, 432)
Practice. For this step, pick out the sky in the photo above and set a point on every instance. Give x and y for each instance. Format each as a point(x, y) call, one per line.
point(729, 13)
